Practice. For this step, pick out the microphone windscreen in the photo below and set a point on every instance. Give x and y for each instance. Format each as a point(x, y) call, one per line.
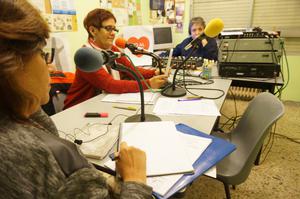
point(214, 27)
point(88, 59)
point(121, 43)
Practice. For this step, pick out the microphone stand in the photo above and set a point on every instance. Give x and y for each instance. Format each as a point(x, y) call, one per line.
point(172, 90)
point(138, 117)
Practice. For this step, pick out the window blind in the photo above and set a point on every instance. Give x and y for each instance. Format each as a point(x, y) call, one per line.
point(234, 13)
point(267, 14)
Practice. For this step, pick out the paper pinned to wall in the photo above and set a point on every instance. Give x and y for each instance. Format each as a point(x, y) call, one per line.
point(63, 7)
point(39, 4)
point(141, 36)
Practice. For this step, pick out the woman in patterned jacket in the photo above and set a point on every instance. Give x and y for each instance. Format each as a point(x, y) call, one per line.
point(35, 162)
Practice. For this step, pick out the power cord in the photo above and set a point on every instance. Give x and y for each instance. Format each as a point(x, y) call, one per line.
point(88, 126)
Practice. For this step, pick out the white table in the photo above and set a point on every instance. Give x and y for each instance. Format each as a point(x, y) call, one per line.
point(73, 117)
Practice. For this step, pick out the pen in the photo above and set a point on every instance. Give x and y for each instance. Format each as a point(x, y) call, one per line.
point(113, 156)
point(130, 108)
point(192, 99)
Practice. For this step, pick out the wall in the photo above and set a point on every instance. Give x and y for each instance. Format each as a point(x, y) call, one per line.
point(292, 91)
point(77, 39)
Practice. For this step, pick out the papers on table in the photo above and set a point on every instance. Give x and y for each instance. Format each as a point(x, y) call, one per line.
point(166, 153)
point(131, 98)
point(166, 106)
point(169, 152)
point(194, 147)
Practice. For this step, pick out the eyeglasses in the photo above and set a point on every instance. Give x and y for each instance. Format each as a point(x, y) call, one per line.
point(110, 28)
point(48, 56)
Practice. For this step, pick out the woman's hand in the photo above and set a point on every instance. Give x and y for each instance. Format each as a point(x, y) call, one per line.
point(131, 164)
point(158, 81)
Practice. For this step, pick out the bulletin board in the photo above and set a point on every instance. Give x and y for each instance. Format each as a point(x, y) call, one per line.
point(173, 13)
point(59, 14)
point(127, 12)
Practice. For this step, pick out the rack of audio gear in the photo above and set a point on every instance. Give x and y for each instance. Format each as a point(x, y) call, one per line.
point(250, 54)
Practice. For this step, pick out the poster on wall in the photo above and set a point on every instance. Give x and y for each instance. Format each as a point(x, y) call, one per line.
point(141, 36)
point(59, 14)
point(179, 18)
point(60, 22)
point(63, 7)
point(173, 13)
point(127, 12)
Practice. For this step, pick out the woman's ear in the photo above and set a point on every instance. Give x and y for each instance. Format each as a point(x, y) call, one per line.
point(92, 30)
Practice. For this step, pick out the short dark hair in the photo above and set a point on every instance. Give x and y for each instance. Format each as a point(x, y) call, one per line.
point(22, 32)
point(196, 20)
point(96, 17)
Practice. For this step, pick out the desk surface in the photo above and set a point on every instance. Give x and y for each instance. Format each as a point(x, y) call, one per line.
point(73, 117)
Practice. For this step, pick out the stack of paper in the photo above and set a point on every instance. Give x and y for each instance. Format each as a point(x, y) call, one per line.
point(166, 106)
point(131, 98)
point(195, 146)
point(166, 153)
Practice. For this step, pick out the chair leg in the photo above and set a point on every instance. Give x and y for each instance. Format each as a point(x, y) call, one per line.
point(227, 191)
point(234, 187)
point(258, 157)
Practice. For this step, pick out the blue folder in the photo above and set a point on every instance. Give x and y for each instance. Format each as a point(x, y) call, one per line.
point(215, 152)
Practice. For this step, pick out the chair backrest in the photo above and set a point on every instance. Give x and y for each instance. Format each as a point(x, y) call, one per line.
point(58, 102)
point(255, 124)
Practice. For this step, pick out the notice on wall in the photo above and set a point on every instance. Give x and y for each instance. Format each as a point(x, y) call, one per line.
point(63, 7)
point(141, 36)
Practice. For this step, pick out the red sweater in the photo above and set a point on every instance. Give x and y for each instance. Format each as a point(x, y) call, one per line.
point(86, 85)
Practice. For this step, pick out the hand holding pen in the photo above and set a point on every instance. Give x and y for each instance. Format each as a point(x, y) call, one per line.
point(131, 163)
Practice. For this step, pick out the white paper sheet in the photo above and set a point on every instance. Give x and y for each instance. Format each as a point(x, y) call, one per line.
point(131, 98)
point(195, 146)
point(166, 106)
point(166, 153)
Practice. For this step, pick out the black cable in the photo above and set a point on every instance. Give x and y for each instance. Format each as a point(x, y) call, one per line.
point(288, 73)
point(288, 138)
point(272, 135)
point(110, 122)
point(209, 89)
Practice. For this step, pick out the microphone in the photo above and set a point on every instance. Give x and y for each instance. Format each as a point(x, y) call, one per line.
point(213, 28)
point(122, 43)
point(90, 60)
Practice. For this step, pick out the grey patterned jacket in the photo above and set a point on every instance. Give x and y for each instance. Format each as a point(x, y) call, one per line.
point(28, 168)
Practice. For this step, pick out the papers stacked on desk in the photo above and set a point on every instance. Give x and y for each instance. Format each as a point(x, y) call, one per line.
point(167, 106)
point(168, 151)
point(131, 98)
point(195, 146)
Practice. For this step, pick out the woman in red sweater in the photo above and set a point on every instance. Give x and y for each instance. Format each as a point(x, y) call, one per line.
point(101, 27)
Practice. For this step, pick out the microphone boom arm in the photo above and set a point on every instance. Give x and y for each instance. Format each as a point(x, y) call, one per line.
point(122, 68)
